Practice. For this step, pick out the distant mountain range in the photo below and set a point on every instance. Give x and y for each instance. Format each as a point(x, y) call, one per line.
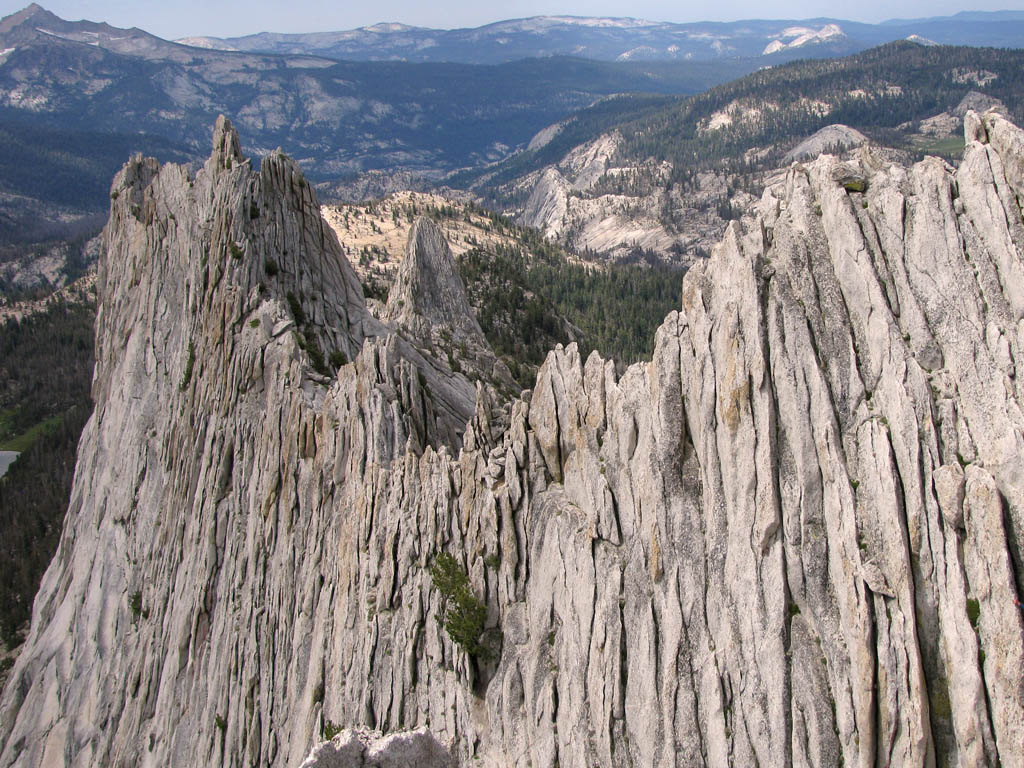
point(77, 98)
point(667, 178)
point(340, 116)
point(626, 39)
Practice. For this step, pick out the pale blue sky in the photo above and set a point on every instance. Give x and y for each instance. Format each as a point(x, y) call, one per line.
point(178, 18)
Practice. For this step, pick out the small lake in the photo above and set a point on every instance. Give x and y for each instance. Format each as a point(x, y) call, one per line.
point(6, 459)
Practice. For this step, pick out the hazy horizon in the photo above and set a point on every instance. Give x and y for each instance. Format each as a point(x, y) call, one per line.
point(232, 18)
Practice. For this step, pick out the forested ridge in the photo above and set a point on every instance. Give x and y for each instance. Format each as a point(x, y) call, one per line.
point(530, 294)
point(45, 376)
point(526, 304)
point(883, 92)
point(876, 91)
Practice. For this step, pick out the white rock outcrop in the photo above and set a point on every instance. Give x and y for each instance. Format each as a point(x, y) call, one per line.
point(428, 291)
point(828, 139)
point(358, 748)
point(792, 538)
point(562, 202)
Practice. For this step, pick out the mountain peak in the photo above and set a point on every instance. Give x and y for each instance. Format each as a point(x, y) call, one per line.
point(32, 9)
point(33, 12)
point(227, 147)
point(428, 301)
point(429, 293)
point(388, 27)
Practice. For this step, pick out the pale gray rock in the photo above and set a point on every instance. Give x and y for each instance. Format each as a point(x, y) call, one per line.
point(565, 202)
point(210, 306)
point(51, 265)
point(357, 748)
point(940, 125)
point(829, 139)
point(548, 203)
point(948, 123)
point(544, 136)
point(792, 538)
point(6, 459)
point(428, 292)
point(428, 304)
point(979, 102)
point(346, 750)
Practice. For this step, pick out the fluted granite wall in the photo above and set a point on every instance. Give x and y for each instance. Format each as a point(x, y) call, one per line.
point(794, 537)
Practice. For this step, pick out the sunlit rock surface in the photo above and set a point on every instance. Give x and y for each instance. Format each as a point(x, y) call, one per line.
point(792, 538)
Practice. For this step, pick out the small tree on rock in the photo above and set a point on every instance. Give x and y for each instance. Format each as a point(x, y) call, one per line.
point(463, 615)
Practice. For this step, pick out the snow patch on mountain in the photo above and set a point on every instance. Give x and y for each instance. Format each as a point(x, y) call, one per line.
point(208, 43)
point(544, 23)
point(797, 37)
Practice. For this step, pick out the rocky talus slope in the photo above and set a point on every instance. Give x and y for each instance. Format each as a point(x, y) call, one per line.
point(792, 538)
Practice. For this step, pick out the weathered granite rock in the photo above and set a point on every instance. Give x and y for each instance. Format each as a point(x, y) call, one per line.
point(792, 538)
point(363, 749)
point(428, 291)
point(828, 139)
point(564, 202)
point(158, 621)
point(979, 102)
point(428, 303)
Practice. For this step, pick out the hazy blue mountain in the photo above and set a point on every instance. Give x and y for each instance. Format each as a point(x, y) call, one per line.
point(622, 39)
point(76, 98)
point(342, 116)
point(962, 16)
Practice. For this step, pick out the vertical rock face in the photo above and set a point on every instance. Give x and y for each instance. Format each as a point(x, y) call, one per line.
point(428, 303)
point(794, 537)
point(199, 516)
point(428, 291)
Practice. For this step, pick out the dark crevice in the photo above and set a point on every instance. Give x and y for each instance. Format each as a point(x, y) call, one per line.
point(874, 715)
point(395, 571)
point(615, 512)
point(1014, 545)
point(656, 634)
point(623, 653)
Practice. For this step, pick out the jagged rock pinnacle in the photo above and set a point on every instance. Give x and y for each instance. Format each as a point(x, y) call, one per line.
point(428, 294)
point(227, 147)
point(792, 538)
point(31, 11)
point(428, 302)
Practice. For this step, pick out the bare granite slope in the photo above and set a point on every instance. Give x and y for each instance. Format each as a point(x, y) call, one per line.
point(792, 538)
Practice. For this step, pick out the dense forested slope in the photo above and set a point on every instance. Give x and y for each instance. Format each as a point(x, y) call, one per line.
point(883, 92)
point(45, 374)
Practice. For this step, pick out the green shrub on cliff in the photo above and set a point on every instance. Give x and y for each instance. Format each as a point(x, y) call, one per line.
point(462, 613)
